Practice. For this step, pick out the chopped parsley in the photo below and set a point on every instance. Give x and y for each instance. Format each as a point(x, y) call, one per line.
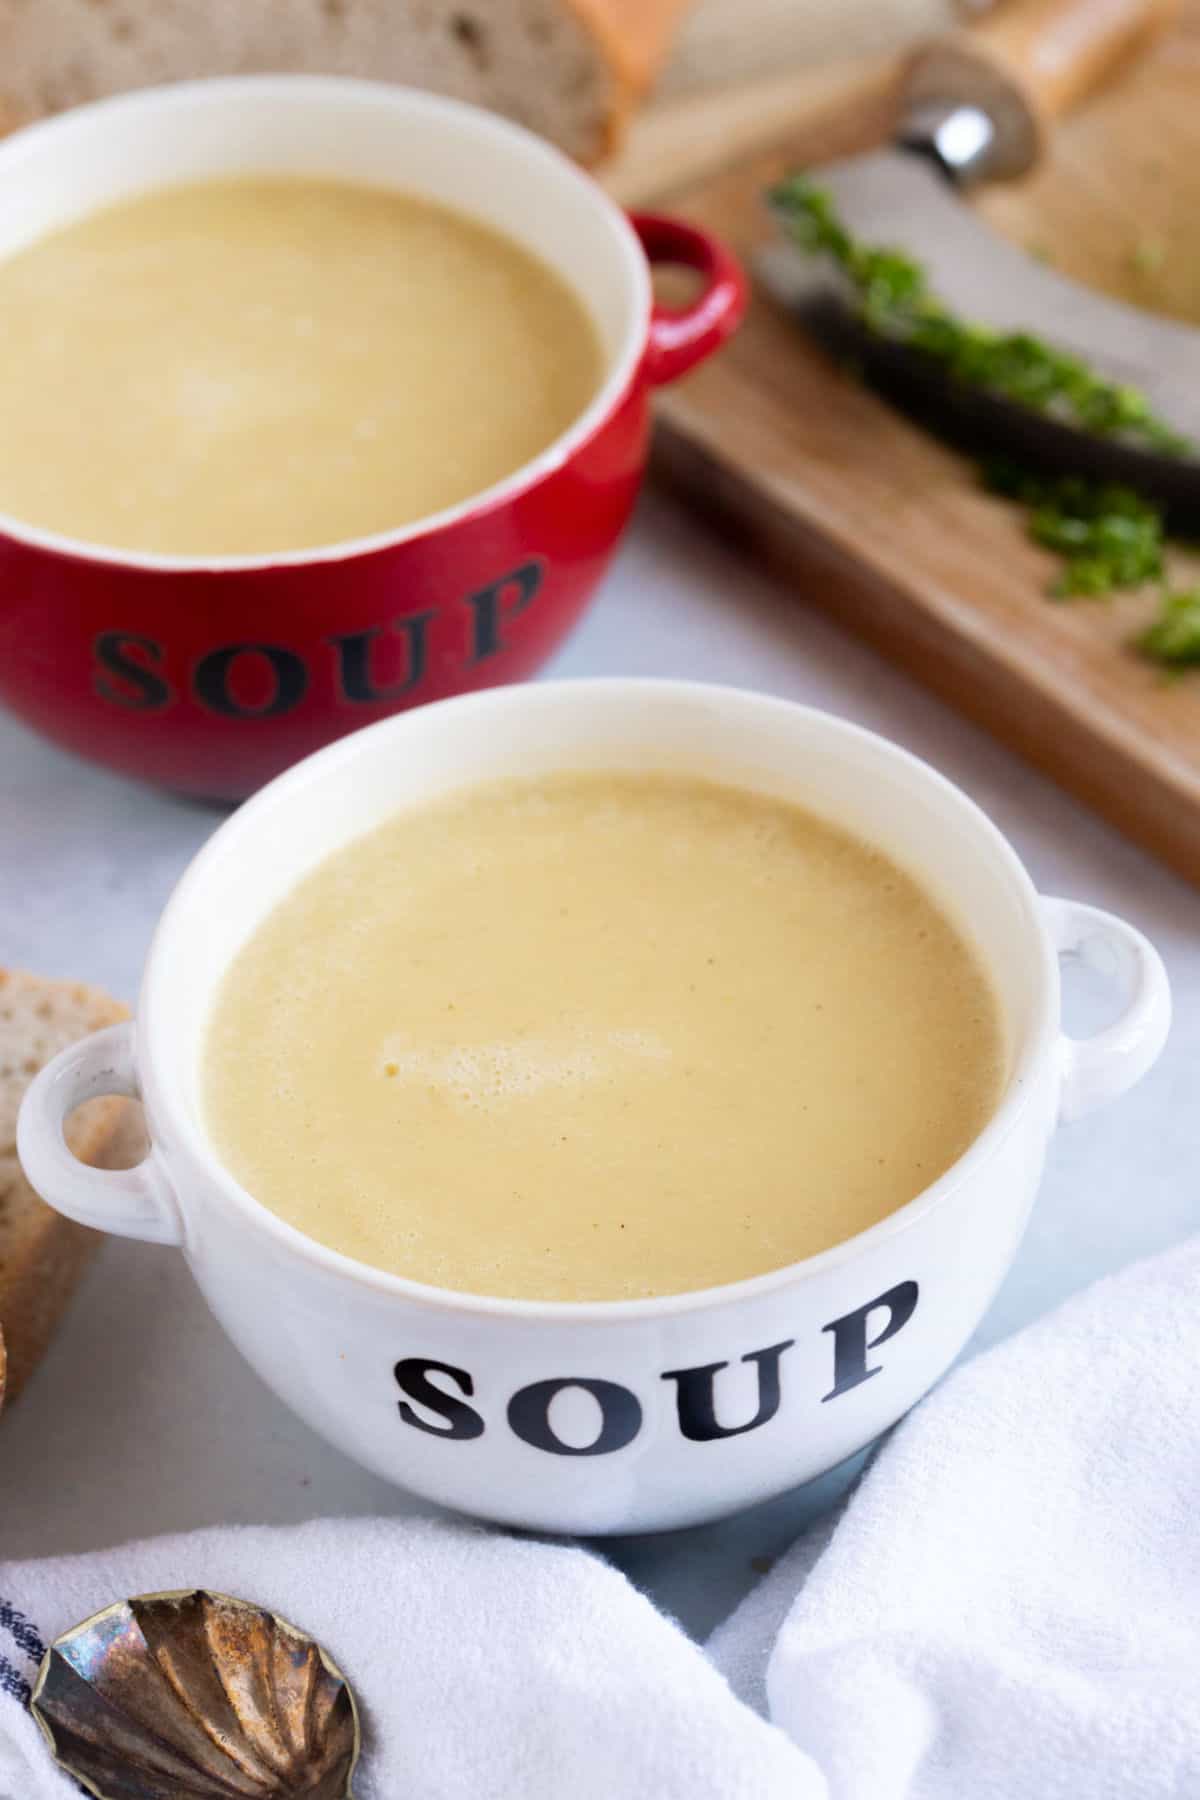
point(1108, 536)
point(1174, 637)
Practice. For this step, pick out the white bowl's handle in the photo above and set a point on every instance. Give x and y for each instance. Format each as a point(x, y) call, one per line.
point(136, 1203)
point(1097, 1069)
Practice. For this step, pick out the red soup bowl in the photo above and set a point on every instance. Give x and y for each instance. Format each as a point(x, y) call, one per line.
point(211, 674)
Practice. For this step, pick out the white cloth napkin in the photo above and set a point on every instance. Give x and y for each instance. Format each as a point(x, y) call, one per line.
point(487, 1667)
point(1008, 1608)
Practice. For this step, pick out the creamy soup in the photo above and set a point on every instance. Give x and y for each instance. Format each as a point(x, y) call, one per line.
point(596, 1037)
point(258, 365)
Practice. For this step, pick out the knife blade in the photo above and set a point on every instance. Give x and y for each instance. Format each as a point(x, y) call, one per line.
point(954, 129)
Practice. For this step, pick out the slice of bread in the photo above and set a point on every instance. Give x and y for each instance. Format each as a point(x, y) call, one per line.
point(42, 1255)
point(569, 69)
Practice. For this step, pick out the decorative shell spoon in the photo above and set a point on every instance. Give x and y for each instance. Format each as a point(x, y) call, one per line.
point(197, 1696)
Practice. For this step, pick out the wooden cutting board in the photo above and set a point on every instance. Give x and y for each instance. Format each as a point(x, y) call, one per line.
point(880, 525)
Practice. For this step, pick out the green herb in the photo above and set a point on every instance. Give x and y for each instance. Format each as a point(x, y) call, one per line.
point(1107, 535)
point(1148, 256)
point(1174, 637)
point(896, 302)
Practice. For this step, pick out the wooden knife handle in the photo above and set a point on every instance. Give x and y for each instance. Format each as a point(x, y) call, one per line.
point(1026, 63)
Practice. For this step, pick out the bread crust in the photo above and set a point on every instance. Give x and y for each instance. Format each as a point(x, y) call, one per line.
point(635, 38)
point(42, 1254)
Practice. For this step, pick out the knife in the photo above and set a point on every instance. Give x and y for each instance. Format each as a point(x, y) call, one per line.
point(974, 106)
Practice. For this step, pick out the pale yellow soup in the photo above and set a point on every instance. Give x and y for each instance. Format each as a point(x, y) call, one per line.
point(596, 1037)
point(257, 365)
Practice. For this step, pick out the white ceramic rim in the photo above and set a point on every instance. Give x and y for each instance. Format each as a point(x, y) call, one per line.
point(1035, 1056)
point(623, 365)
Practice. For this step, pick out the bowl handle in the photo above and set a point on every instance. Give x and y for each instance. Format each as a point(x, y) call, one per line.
point(682, 336)
point(137, 1202)
point(1098, 1069)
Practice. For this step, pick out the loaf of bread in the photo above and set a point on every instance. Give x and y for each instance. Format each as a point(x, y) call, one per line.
point(42, 1255)
point(569, 69)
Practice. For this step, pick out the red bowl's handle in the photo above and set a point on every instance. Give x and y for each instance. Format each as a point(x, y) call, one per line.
point(682, 336)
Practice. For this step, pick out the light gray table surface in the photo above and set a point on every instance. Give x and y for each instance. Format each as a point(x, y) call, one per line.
point(143, 1419)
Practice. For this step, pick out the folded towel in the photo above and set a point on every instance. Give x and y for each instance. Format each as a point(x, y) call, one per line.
point(1007, 1608)
point(486, 1666)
